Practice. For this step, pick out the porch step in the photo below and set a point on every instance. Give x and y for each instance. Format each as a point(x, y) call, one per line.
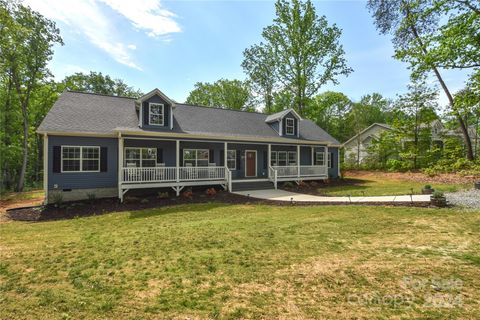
point(257, 185)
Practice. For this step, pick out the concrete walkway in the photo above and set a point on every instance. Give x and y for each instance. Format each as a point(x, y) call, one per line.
point(282, 195)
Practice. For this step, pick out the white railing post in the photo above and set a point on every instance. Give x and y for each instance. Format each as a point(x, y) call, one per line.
point(177, 160)
point(275, 178)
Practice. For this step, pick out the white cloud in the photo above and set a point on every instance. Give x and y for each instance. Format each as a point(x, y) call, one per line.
point(146, 15)
point(86, 17)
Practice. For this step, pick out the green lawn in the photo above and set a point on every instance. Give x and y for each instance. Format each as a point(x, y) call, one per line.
point(373, 186)
point(241, 261)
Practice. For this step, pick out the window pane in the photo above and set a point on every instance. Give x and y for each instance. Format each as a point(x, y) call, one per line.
point(188, 154)
point(148, 163)
point(90, 153)
point(292, 158)
point(282, 158)
point(202, 163)
point(132, 163)
point(149, 154)
point(71, 165)
point(231, 164)
point(132, 153)
point(90, 165)
point(202, 155)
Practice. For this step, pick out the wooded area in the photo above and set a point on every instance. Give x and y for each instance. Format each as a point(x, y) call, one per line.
point(299, 54)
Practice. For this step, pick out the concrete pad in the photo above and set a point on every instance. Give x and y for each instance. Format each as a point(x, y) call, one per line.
point(282, 195)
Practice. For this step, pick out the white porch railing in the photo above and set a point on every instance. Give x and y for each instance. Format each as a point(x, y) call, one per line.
point(313, 171)
point(201, 173)
point(305, 171)
point(153, 174)
point(169, 174)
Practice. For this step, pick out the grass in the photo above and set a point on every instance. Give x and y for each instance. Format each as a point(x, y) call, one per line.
point(20, 196)
point(381, 186)
point(242, 261)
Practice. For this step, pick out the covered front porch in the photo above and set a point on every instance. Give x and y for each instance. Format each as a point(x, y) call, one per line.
point(179, 163)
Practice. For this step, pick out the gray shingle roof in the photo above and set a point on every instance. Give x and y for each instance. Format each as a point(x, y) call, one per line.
point(277, 116)
point(93, 113)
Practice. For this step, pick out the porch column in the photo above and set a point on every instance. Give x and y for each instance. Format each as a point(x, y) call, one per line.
point(225, 153)
point(177, 159)
point(313, 156)
point(298, 160)
point(45, 166)
point(120, 166)
point(269, 159)
point(326, 160)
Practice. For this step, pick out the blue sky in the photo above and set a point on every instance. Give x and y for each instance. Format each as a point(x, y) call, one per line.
point(174, 44)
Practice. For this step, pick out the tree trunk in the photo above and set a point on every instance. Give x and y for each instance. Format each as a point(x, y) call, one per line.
point(466, 137)
point(23, 170)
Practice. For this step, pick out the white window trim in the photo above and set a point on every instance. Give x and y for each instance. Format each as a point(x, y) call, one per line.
point(234, 159)
point(276, 158)
point(150, 104)
point(81, 159)
point(141, 157)
point(246, 163)
point(196, 156)
point(323, 158)
point(289, 126)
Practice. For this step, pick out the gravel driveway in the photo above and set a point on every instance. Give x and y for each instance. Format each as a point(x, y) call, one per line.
point(466, 198)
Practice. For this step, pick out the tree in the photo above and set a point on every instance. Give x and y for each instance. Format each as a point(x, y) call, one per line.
point(96, 82)
point(223, 93)
point(415, 26)
point(259, 64)
point(329, 111)
point(26, 41)
point(306, 50)
point(416, 111)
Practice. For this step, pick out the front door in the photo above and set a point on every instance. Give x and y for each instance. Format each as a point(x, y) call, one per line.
point(250, 163)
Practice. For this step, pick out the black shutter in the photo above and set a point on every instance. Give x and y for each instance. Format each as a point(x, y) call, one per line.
point(265, 159)
point(211, 156)
point(331, 160)
point(103, 159)
point(57, 158)
point(222, 158)
point(181, 158)
point(159, 155)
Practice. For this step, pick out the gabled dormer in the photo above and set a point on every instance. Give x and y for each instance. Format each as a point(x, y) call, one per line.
point(286, 123)
point(155, 111)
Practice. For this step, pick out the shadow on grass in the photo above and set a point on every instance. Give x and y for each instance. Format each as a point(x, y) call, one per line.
point(194, 207)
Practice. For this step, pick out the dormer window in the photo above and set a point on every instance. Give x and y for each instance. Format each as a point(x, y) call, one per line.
point(156, 114)
point(290, 126)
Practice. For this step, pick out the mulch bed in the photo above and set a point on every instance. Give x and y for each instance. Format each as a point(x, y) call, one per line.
point(445, 178)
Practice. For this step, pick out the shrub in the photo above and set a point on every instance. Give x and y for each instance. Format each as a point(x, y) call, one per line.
point(144, 200)
point(314, 184)
point(91, 196)
point(427, 186)
point(302, 185)
point(57, 199)
point(131, 199)
point(211, 192)
point(163, 195)
point(438, 195)
point(188, 194)
point(288, 184)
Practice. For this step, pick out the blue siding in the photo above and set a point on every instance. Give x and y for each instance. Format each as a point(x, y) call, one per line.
point(79, 180)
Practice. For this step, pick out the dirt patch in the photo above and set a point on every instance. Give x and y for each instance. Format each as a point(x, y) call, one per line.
point(445, 178)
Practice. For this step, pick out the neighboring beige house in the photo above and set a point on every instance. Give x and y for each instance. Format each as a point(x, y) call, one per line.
point(356, 148)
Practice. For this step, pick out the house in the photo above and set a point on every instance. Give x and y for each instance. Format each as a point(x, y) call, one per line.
point(356, 148)
point(107, 145)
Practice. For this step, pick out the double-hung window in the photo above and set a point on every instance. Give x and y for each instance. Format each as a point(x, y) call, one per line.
point(156, 114)
point(292, 158)
point(80, 159)
point(319, 158)
point(232, 159)
point(140, 157)
point(273, 158)
point(195, 157)
point(282, 158)
point(290, 126)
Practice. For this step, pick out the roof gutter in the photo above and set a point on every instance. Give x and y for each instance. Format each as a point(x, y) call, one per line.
point(116, 133)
